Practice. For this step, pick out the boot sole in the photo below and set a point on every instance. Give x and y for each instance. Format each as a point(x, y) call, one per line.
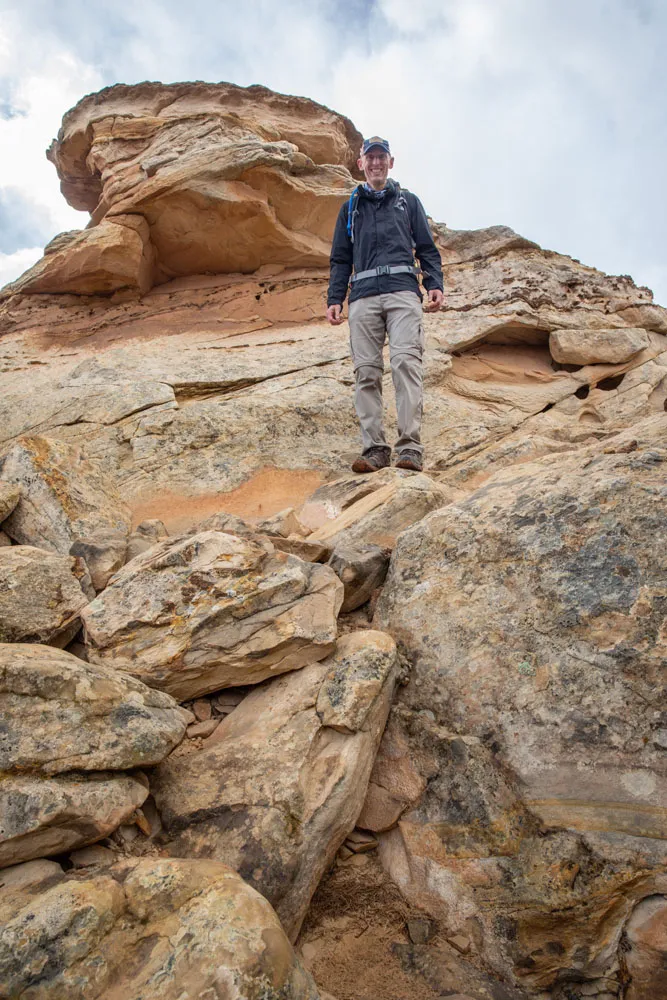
point(407, 464)
point(361, 465)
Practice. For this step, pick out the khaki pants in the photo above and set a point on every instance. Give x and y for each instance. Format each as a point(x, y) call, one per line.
point(398, 317)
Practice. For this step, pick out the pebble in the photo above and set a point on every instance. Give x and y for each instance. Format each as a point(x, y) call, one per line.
point(202, 709)
point(95, 854)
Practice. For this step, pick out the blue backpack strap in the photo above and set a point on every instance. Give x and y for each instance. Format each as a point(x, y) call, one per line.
point(351, 211)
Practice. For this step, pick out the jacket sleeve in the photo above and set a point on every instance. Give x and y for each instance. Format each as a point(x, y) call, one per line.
point(340, 261)
point(425, 248)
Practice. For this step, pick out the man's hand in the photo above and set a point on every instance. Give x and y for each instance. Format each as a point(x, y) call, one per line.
point(334, 315)
point(435, 299)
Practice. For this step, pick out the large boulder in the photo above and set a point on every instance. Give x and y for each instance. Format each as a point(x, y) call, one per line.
point(212, 610)
point(66, 506)
point(533, 615)
point(40, 595)
point(257, 178)
point(532, 611)
point(41, 816)
point(158, 929)
point(61, 714)
point(109, 257)
point(279, 785)
point(586, 347)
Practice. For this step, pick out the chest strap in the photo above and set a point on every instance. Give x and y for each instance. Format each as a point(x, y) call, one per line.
point(375, 272)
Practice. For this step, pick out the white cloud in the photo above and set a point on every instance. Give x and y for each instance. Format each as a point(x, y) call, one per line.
point(12, 265)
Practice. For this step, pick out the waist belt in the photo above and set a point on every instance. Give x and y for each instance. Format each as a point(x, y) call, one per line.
point(375, 272)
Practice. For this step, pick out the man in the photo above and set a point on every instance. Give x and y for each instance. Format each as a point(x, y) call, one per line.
point(376, 233)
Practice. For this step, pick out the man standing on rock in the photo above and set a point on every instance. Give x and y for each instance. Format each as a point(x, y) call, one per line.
point(377, 233)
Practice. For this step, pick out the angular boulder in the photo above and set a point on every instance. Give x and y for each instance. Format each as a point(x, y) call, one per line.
point(372, 510)
point(211, 610)
point(590, 347)
point(279, 785)
point(109, 257)
point(66, 506)
point(41, 816)
point(40, 596)
point(158, 929)
point(10, 494)
point(61, 714)
point(532, 613)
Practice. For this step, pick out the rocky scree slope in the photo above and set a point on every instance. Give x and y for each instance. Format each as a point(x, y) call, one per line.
point(179, 535)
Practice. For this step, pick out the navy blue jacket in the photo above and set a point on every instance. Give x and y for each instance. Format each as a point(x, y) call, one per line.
point(384, 231)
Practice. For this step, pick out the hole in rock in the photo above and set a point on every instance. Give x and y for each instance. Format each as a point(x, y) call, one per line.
point(582, 392)
point(610, 383)
point(561, 366)
point(515, 333)
point(268, 491)
point(589, 417)
point(517, 362)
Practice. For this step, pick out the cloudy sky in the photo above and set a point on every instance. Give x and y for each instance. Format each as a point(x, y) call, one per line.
point(549, 117)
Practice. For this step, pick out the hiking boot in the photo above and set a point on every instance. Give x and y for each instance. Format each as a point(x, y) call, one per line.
point(409, 459)
point(372, 460)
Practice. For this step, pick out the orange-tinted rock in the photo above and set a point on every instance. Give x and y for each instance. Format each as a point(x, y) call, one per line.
point(227, 179)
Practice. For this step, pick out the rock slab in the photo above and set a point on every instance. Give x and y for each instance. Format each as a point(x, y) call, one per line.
point(62, 714)
point(66, 506)
point(211, 610)
point(43, 816)
point(40, 595)
point(279, 785)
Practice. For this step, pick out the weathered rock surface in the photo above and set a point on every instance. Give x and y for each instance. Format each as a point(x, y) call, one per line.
point(586, 347)
point(361, 569)
point(41, 816)
point(396, 782)
point(154, 928)
point(65, 506)
point(279, 785)
point(373, 510)
point(114, 255)
point(40, 596)
point(212, 610)
point(533, 615)
point(10, 495)
point(145, 536)
point(62, 714)
point(256, 177)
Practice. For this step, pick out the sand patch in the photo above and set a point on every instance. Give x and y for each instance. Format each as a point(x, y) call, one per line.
point(265, 493)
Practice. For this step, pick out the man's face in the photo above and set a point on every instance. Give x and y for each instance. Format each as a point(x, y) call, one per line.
point(375, 165)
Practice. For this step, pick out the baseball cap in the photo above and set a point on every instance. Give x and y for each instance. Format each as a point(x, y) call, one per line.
point(375, 140)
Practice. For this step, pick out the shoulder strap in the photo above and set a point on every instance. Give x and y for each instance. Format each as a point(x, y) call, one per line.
point(409, 207)
point(351, 212)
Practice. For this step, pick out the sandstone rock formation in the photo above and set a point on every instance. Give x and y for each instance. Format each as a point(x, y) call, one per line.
point(519, 792)
point(189, 178)
point(66, 506)
point(534, 617)
point(279, 785)
point(40, 596)
point(40, 816)
point(62, 714)
point(155, 928)
point(212, 610)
